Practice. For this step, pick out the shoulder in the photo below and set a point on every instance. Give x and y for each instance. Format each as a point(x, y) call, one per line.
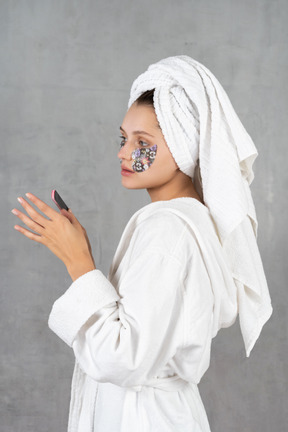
point(162, 231)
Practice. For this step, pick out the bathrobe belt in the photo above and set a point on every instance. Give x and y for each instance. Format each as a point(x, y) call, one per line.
point(170, 383)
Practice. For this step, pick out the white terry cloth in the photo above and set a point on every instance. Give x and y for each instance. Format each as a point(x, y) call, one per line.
point(142, 335)
point(210, 144)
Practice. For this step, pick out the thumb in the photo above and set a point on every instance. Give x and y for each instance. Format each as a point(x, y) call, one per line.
point(69, 215)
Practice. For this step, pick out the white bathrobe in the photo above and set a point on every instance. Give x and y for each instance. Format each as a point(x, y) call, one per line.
point(142, 336)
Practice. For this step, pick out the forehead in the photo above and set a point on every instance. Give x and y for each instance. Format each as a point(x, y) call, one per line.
point(140, 117)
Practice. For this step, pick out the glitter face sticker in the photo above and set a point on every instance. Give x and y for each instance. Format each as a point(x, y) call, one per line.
point(143, 158)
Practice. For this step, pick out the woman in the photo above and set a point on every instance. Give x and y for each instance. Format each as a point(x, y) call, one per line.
point(186, 264)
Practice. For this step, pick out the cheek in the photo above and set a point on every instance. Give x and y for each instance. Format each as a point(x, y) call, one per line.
point(143, 158)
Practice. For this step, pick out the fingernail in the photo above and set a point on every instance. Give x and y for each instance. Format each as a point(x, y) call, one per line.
point(20, 200)
point(28, 195)
point(14, 211)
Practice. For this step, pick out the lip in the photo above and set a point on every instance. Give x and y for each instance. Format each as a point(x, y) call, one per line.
point(126, 172)
point(126, 169)
point(123, 168)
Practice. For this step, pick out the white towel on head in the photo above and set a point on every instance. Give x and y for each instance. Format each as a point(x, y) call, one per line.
point(210, 144)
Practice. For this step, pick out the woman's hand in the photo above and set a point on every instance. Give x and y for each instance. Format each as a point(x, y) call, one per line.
point(62, 233)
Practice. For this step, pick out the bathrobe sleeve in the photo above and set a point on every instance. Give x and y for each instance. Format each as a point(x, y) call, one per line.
point(125, 338)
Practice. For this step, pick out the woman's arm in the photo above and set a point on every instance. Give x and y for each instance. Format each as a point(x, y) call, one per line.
point(124, 339)
point(125, 336)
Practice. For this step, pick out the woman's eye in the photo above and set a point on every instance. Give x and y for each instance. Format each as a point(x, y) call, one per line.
point(122, 142)
point(143, 144)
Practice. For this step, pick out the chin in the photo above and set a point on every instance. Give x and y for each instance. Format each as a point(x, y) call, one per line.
point(139, 182)
point(132, 184)
point(133, 187)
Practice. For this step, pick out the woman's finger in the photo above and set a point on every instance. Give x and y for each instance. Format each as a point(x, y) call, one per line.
point(47, 210)
point(29, 222)
point(36, 237)
point(37, 217)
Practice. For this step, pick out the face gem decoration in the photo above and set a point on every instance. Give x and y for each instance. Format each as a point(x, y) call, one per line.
point(143, 158)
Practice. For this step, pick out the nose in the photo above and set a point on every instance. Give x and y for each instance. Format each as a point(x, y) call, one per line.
point(126, 151)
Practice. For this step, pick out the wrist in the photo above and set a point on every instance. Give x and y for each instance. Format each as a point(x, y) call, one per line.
point(80, 267)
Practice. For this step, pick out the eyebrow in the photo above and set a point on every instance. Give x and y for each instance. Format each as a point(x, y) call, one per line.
point(138, 132)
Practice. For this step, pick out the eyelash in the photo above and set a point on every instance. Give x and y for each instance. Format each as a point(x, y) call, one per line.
point(123, 138)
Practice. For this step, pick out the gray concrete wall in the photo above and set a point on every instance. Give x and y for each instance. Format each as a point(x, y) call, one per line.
point(65, 75)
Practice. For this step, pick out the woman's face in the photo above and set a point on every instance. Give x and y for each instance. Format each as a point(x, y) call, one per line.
point(144, 151)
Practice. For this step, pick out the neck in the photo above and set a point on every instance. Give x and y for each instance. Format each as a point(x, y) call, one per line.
point(183, 188)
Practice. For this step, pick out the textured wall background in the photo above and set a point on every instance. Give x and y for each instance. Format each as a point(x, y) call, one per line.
point(65, 75)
